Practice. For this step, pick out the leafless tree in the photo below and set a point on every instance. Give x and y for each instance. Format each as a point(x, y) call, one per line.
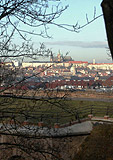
point(23, 18)
point(19, 21)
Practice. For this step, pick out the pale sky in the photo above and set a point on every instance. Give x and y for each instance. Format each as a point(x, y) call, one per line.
point(90, 43)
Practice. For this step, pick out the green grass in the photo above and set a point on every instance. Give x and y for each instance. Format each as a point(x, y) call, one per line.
point(51, 111)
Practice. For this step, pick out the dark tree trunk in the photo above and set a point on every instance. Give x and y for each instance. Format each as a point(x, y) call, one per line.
point(107, 8)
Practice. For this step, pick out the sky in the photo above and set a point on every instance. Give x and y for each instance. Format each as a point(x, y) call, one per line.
point(90, 43)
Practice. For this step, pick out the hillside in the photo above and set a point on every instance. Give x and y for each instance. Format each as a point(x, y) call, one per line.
point(98, 145)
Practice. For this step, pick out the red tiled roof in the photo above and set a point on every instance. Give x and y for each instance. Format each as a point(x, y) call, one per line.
point(110, 78)
point(78, 62)
point(108, 82)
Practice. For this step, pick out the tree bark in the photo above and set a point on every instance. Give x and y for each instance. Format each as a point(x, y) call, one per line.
point(107, 8)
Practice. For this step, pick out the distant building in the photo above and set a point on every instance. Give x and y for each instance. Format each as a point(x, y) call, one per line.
point(60, 58)
point(103, 66)
point(93, 61)
point(79, 63)
point(15, 63)
point(73, 71)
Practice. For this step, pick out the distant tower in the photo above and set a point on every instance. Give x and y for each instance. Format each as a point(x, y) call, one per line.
point(46, 73)
point(93, 61)
point(73, 71)
point(59, 57)
point(51, 57)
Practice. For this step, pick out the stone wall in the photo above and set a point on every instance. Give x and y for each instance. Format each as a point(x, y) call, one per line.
point(14, 147)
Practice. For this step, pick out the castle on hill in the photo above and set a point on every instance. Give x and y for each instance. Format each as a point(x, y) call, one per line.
point(60, 58)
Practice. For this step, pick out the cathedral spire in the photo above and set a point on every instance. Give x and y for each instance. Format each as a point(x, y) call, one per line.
point(59, 56)
point(51, 57)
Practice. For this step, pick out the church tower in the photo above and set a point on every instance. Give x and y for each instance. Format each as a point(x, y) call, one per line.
point(59, 57)
point(51, 57)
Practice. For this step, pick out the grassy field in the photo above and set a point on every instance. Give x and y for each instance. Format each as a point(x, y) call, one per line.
point(51, 111)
